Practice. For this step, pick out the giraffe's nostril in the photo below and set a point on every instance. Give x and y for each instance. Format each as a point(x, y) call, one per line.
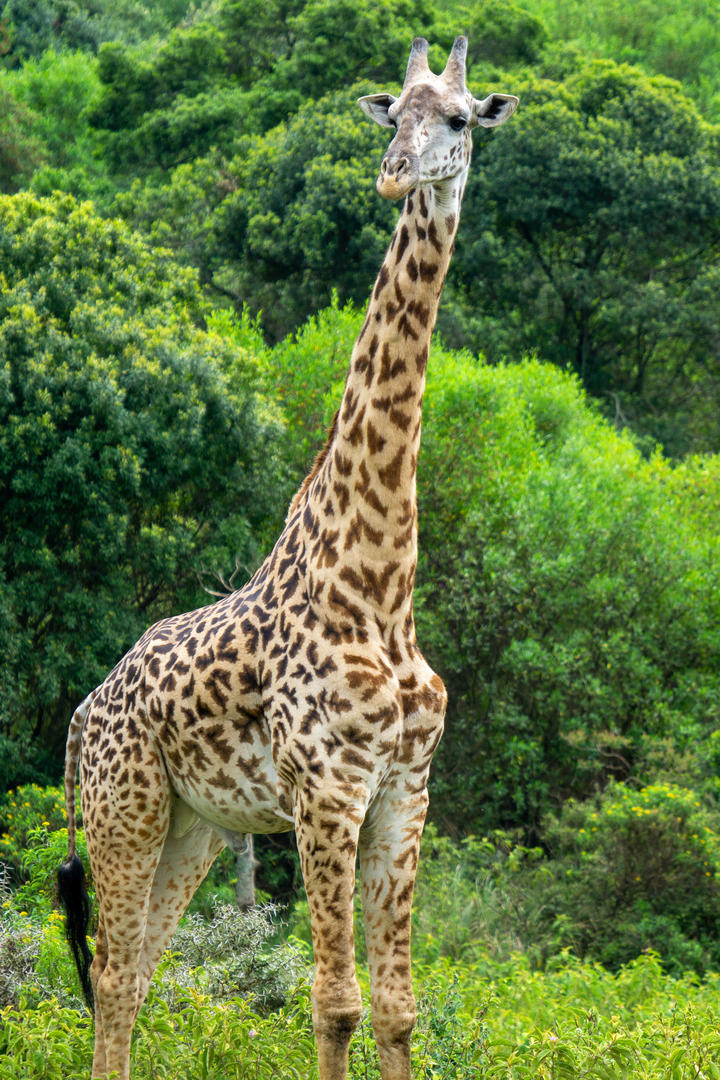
point(398, 173)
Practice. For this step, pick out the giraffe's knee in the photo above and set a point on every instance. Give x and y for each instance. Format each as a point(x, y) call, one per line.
point(337, 1009)
point(393, 1018)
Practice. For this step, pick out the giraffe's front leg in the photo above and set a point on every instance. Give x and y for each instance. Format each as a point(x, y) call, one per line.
point(327, 827)
point(389, 848)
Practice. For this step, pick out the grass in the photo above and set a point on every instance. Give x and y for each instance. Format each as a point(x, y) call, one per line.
point(485, 1018)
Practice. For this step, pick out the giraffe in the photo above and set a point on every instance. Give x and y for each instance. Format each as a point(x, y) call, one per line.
point(301, 700)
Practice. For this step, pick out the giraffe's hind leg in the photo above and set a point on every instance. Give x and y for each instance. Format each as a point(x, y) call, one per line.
point(98, 966)
point(184, 862)
point(127, 815)
point(183, 865)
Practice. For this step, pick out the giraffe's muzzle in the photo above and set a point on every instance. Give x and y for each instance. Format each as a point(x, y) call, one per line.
point(398, 174)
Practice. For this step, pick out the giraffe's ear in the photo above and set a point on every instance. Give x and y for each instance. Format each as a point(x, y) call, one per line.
point(493, 110)
point(376, 106)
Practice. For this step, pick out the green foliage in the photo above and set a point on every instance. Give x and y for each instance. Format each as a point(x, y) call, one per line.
point(559, 594)
point(682, 40)
point(608, 266)
point(480, 898)
point(576, 1012)
point(159, 106)
point(30, 27)
point(20, 151)
point(489, 1018)
point(230, 997)
point(231, 954)
point(637, 870)
point(57, 87)
point(590, 268)
point(33, 843)
point(334, 45)
point(34, 959)
point(191, 1036)
point(23, 811)
point(447, 1042)
point(243, 69)
point(129, 462)
point(289, 218)
point(306, 373)
point(55, 91)
point(499, 37)
point(45, 851)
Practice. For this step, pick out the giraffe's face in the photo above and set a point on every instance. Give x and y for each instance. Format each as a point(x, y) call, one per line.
point(433, 118)
point(432, 141)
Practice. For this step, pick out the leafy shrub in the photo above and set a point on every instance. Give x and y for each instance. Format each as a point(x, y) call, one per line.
point(478, 898)
point(448, 1043)
point(565, 596)
point(636, 871)
point(231, 954)
point(498, 1020)
point(35, 963)
point(193, 1037)
point(23, 811)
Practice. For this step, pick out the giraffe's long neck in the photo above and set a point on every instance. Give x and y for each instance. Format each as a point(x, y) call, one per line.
point(361, 511)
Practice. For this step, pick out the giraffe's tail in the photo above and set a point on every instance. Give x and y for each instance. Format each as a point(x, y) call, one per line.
point(72, 889)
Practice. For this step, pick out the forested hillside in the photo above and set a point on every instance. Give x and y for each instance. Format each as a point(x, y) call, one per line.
point(189, 230)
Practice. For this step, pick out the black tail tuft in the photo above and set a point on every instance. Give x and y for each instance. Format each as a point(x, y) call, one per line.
point(74, 898)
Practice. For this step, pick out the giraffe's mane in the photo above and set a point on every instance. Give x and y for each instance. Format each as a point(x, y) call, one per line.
point(317, 466)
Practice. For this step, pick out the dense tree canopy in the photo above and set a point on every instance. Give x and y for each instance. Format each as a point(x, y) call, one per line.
point(590, 229)
point(245, 70)
point(591, 236)
point(128, 460)
point(679, 40)
point(20, 153)
point(30, 27)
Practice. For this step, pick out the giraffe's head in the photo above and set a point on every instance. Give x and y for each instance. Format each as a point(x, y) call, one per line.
point(433, 118)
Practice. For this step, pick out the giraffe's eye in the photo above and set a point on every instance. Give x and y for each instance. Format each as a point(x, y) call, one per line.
point(457, 123)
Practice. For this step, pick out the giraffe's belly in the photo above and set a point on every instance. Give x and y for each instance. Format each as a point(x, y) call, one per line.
point(241, 810)
point(229, 785)
point(258, 820)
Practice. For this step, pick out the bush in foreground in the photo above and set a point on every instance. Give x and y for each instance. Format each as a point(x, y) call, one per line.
point(498, 1021)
